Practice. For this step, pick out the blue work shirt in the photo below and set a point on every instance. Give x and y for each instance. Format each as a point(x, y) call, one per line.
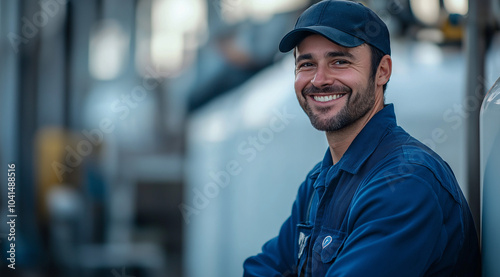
point(389, 207)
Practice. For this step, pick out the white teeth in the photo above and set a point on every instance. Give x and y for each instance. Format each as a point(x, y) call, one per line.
point(327, 98)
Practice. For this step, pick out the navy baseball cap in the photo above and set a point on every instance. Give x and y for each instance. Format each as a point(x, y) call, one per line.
point(346, 23)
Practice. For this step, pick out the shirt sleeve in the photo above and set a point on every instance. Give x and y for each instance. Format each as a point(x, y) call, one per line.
point(396, 224)
point(279, 255)
point(276, 258)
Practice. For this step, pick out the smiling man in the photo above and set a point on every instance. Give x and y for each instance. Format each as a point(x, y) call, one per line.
point(380, 203)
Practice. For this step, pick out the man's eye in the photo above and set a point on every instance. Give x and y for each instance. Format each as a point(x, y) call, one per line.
point(305, 65)
point(340, 62)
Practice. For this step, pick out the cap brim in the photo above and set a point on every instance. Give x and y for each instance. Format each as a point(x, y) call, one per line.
point(293, 38)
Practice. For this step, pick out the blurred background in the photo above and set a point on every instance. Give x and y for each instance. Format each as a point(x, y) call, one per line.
point(163, 137)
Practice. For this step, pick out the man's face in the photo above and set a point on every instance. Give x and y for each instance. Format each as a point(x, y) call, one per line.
point(333, 83)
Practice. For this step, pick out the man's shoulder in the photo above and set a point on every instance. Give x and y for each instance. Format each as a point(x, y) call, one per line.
point(407, 148)
point(312, 175)
point(314, 172)
point(405, 154)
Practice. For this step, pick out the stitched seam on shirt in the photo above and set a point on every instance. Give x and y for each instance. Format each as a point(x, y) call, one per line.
point(454, 194)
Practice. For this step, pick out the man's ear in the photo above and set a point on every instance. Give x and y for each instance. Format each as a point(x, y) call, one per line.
point(384, 71)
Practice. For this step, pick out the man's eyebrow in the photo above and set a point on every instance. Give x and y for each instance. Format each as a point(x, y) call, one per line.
point(332, 54)
point(303, 57)
point(339, 54)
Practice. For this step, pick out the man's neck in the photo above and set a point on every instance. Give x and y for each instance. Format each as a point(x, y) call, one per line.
point(340, 140)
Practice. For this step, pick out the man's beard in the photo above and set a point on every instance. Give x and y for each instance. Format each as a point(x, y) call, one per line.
point(354, 109)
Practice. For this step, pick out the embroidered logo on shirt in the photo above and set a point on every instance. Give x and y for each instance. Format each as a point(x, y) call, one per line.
point(302, 243)
point(327, 241)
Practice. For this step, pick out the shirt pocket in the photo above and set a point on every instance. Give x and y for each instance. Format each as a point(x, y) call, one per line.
point(328, 244)
point(303, 241)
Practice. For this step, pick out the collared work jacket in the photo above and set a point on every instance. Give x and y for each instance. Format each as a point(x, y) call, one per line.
point(389, 207)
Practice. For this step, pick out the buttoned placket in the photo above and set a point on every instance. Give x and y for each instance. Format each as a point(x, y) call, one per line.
point(325, 187)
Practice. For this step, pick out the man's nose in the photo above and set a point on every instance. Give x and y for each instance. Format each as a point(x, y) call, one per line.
point(322, 78)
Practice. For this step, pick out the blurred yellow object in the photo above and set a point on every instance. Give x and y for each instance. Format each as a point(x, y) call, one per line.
point(50, 144)
point(453, 29)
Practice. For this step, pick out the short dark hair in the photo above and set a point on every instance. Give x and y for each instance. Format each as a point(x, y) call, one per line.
point(376, 58)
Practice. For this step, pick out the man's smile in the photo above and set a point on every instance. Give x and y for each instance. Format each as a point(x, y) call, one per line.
point(325, 95)
point(326, 98)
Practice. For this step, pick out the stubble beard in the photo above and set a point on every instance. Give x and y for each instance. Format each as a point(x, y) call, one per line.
point(355, 107)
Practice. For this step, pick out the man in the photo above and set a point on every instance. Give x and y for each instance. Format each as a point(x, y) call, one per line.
point(380, 203)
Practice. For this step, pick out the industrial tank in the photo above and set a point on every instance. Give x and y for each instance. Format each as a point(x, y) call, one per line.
point(490, 180)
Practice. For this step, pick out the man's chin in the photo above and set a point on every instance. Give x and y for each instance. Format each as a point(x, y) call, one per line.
point(324, 125)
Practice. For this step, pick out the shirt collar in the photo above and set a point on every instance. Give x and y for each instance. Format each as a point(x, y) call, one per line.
point(365, 142)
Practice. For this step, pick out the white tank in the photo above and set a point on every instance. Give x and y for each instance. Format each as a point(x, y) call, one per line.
point(490, 180)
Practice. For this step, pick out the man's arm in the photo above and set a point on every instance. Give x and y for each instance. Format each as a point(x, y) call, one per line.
point(396, 226)
point(279, 255)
